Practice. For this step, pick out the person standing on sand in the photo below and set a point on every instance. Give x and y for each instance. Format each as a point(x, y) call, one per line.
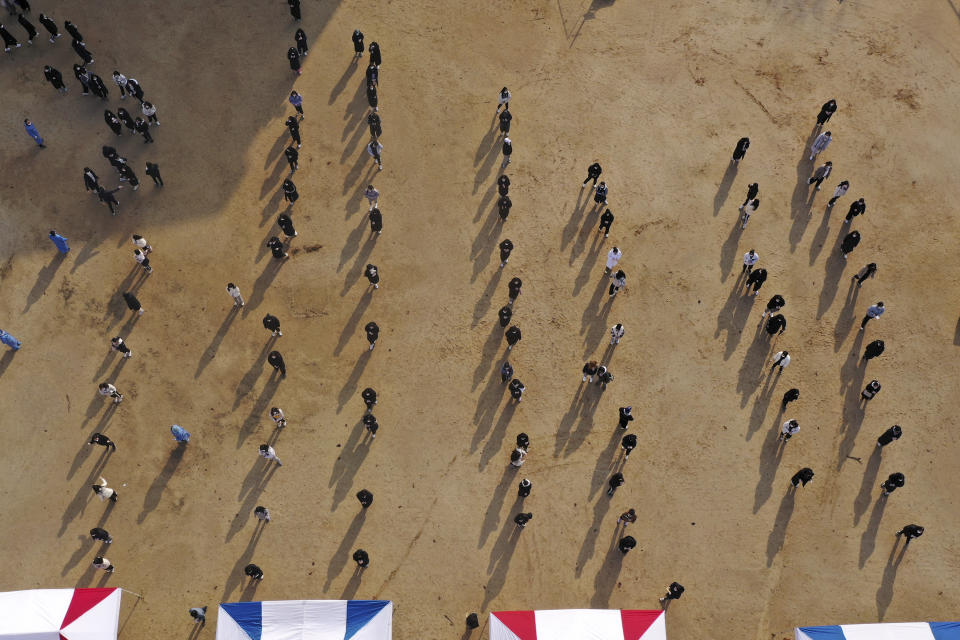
point(372, 329)
point(374, 149)
point(593, 172)
point(802, 477)
point(358, 47)
point(507, 151)
point(839, 192)
point(850, 242)
point(376, 221)
point(153, 170)
point(505, 118)
point(373, 121)
point(780, 359)
point(888, 436)
point(272, 323)
point(820, 144)
point(234, 292)
point(133, 303)
point(293, 126)
point(821, 174)
point(616, 480)
point(504, 315)
point(59, 241)
point(267, 452)
point(752, 190)
point(613, 258)
point(503, 100)
point(506, 246)
point(297, 101)
point(740, 150)
point(756, 279)
point(826, 111)
point(276, 361)
point(749, 259)
point(294, 59)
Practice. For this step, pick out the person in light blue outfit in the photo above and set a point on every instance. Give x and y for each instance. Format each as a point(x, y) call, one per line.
point(179, 433)
point(33, 133)
point(60, 241)
point(9, 340)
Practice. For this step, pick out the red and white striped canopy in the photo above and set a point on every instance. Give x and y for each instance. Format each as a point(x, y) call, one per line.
point(59, 614)
point(578, 624)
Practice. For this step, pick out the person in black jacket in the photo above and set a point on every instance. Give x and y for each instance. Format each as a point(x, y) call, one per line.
point(97, 86)
point(857, 207)
point(505, 118)
point(300, 37)
point(144, 128)
point(503, 185)
point(828, 109)
point(294, 9)
point(294, 59)
point(277, 248)
point(286, 225)
point(373, 75)
point(74, 32)
point(55, 78)
point(616, 480)
point(605, 221)
point(506, 372)
point(292, 156)
point(600, 194)
point(375, 54)
point(82, 52)
point(373, 332)
point(513, 288)
point(107, 198)
point(756, 279)
point(50, 26)
point(276, 361)
point(850, 242)
point(776, 324)
point(126, 173)
point(626, 417)
point(124, 116)
point(628, 443)
point(516, 389)
point(28, 26)
point(752, 190)
point(505, 248)
point(90, 180)
point(513, 336)
point(789, 397)
point(153, 171)
point(593, 172)
point(507, 151)
point(503, 207)
point(365, 497)
point(373, 121)
point(376, 221)
point(626, 544)
point(272, 324)
point(740, 150)
point(134, 89)
point(290, 193)
point(873, 350)
point(115, 125)
point(372, 96)
point(369, 397)
point(357, 38)
point(372, 273)
point(83, 77)
point(773, 305)
point(8, 39)
point(293, 126)
point(370, 423)
point(505, 314)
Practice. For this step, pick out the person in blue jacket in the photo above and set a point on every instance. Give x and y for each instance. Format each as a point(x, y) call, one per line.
point(59, 241)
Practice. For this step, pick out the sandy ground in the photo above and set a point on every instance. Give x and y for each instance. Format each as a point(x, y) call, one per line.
point(658, 93)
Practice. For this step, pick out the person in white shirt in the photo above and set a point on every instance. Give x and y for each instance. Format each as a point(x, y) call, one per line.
point(277, 414)
point(747, 210)
point(616, 332)
point(372, 195)
point(234, 292)
point(143, 260)
point(503, 99)
point(820, 144)
point(103, 491)
point(839, 192)
point(266, 451)
point(873, 313)
point(780, 359)
point(102, 563)
point(107, 389)
point(613, 257)
point(141, 243)
point(749, 259)
point(121, 81)
point(788, 430)
point(150, 111)
point(619, 282)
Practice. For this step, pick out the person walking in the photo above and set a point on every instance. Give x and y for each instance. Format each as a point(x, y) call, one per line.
point(892, 483)
point(773, 305)
point(626, 416)
point(199, 615)
point(850, 242)
point(873, 350)
point(285, 223)
point(910, 532)
point(268, 453)
point(276, 414)
point(628, 443)
point(740, 150)
point(117, 344)
point(106, 389)
point(601, 372)
point(290, 193)
point(517, 457)
point(873, 313)
point(371, 424)
point(839, 192)
point(104, 492)
point(124, 116)
point(505, 314)
point(372, 273)
point(589, 370)
point(133, 303)
point(365, 498)
point(102, 563)
point(141, 243)
point(616, 480)
point(606, 220)
point(262, 513)
point(613, 258)
point(513, 336)
point(820, 144)
point(294, 59)
point(821, 174)
point(234, 292)
point(276, 361)
point(369, 397)
point(747, 210)
point(756, 280)
point(788, 397)
point(55, 78)
point(674, 591)
point(74, 32)
point(59, 242)
point(181, 435)
point(505, 118)
point(375, 57)
point(28, 27)
point(828, 109)
point(372, 98)
point(143, 260)
point(505, 246)
point(292, 157)
point(516, 389)
point(300, 37)
point(626, 544)
point(780, 359)
point(121, 81)
point(33, 133)
point(90, 180)
point(83, 77)
point(776, 325)
point(277, 248)
point(373, 332)
point(628, 517)
point(134, 89)
point(253, 572)
point(507, 149)
point(294, 9)
point(373, 121)
point(600, 194)
point(503, 207)
point(619, 281)
point(150, 112)
point(749, 259)
point(513, 289)
point(97, 86)
point(888, 436)
point(108, 198)
point(127, 175)
point(293, 126)
point(101, 535)
point(752, 190)
point(362, 558)
point(789, 429)
point(503, 99)
point(857, 208)
point(153, 171)
point(604, 377)
point(523, 491)
point(522, 519)
point(103, 441)
point(144, 129)
point(272, 324)
point(358, 47)
point(802, 477)
point(82, 52)
point(616, 333)
point(9, 340)
point(374, 149)
point(869, 271)
point(376, 221)
point(503, 185)
point(593, 172)
point(50, 26)
point(8, 40)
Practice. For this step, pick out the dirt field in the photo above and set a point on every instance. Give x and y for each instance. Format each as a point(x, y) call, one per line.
point(658, 93)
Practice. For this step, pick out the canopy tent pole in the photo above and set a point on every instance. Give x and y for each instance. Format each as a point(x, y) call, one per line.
point(139, 597)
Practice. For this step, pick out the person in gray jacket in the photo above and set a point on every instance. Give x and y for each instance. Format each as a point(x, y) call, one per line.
point(821, 174)
point(820, 144)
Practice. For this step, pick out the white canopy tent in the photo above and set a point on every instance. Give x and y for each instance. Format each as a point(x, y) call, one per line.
point(59, 614)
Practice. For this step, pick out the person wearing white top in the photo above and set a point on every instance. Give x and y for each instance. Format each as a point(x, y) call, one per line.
point(266, 451)
point(234, 292)
point(141, 243)
point(839, 192)
point(616, 332)
point(820, 144)
point(749, 259)
point(372, 195)
point(121, 81)
point(780, 359)
point(613, 257)
point(503, 99)
point(788, 430)
point(103, 491)
point(102, 563)
point(747, 210)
